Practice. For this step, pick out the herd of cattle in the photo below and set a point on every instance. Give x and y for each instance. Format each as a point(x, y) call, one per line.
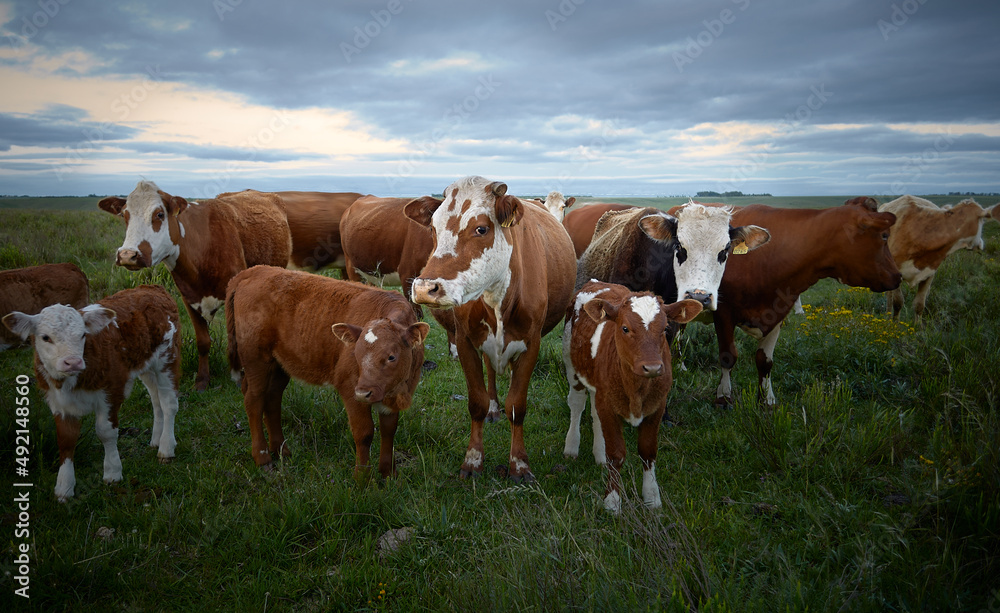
point(499, 272)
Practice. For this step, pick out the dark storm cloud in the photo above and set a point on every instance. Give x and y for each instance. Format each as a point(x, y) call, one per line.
point(57, 125)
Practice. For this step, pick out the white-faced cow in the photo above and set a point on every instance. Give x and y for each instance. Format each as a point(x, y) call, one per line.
point(615, 348)
point(29, 290)
point(506, 268)
point(923, 236)
point(555, 203)
point(365, 342)
point(203, 244)
point(314, 221)
point(86, 361)
point(581, 221)
point(847, 243)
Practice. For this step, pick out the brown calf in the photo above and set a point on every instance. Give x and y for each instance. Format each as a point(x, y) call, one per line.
point(29, 290)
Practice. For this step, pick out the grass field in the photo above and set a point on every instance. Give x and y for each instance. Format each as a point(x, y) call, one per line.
point(873, 486)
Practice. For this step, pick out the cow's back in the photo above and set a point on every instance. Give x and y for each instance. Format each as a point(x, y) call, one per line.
point(314, 219)
point(580, 223)
point(374, 232)
point(31, 289)
point(261, 224)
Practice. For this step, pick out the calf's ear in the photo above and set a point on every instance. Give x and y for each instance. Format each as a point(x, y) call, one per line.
point(347, 333)
point(422, 209)
point(659, 227)
point(599, 310)
point(20, 324)
point(96, 318)
point(682, 312)
point(112, 204)
point(748, 238)
point(417, 332)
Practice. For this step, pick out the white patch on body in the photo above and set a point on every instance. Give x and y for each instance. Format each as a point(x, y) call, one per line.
point(913, 275)
point(634, 421)
point(650, 489)
point(613, 502)
point(65, 481)
point(595, 340)
point(519, 465)
point(583, 298)
point(646, 308)
point(381, 409)
point(474, 458)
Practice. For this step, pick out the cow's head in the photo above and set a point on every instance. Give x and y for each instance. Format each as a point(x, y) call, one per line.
point(557, 204)
point(867, 261)
point(640, 326)
point(966, 219)
point(388, 354)
point(472, 243)
point(704, 240)
point(60, 334)
point(866, 201)
point(152, 231)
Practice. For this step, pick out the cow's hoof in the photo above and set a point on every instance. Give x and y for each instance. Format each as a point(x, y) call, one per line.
point(723, 403)
point(164, 460)
point(201, 385)
point(267, 468)
point(468, 473)
point(495, 416)
point(525, 477)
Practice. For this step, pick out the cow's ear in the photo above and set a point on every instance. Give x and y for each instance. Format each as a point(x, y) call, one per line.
point(599, 310)
point(748, 238)
point(570, 202)
point(421, 210)
point(417, 332)
point(175, 204)
point(659, 227)
point(994, 212)
point(20, 324)
point(508, 208)
point(866, 201)
point(682, 312)
point(96, 318)
point(347, 333)
point(112, 204)
point(878, 222)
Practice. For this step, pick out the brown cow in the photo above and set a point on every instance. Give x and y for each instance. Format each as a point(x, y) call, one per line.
point(204, 244)
point(615, 348)
point(923, 236)
point(507, 270)
point(365, 342)
point(581, 221)
point(314, 221)
point(29, 290)
point(86, 361)
point(848, 243)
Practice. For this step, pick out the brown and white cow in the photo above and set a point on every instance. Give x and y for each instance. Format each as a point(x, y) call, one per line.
point(923, 236)
point(555, 203)
point(203, 244)
point(314, 221)
point(581, 222)
point(31, 289)
point(363, 341)
point(615, 348)
point(848, 243)
point(507, 269)
point(86, 361)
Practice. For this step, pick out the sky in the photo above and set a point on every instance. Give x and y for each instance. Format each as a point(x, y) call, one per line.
point(588, 97)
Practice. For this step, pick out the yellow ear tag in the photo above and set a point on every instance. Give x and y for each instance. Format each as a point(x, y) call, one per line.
point(507, 223)
point(740, 249)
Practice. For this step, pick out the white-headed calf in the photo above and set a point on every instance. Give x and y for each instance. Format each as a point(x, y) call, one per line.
point(86, 361)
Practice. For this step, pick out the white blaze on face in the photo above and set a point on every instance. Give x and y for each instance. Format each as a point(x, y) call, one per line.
point(646, 307)
point(702, 237)
point(370, 337)
point(144, 207)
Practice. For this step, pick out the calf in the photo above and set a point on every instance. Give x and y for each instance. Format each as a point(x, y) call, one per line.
point(555, 203)
point(615, 347)
point(29, 290)
point(365, 342)
point(581, 221)
point(86, 361)
point(923, 236)
point(203, 244)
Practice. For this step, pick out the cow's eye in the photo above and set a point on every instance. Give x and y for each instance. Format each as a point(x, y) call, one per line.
point(723, 255)
point(625, 329)
point(45, 337)
point(482, 230)
point(160, 215)
point(682, 254)
point(885, 236)
point(391, 358)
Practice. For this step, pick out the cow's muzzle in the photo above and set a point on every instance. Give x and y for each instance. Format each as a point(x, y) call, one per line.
point(431, 293)
point(650, 370)
point(130, 258)
point(701, 296)
point(368, 395)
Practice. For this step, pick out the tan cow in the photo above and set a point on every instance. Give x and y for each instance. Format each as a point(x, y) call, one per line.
point(507, 270)
point(86, 361)
point(363, 341)
point(555, 203)
point(615, 347)
point(29, 290)
point(923, 236)
point(203, 244)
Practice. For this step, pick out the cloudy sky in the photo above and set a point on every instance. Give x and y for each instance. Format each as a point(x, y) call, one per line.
point(400, 97)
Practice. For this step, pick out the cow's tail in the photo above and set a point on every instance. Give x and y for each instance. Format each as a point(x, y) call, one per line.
point(235, 367)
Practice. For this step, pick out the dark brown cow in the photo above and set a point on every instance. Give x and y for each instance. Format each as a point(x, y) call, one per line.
point(29, 290)
point(365, 342)
point(86, 361)
point(204, 244)
point(507, 270)
point(581, 221)
point(615, 348)
point(314, 221)
point(848, 243)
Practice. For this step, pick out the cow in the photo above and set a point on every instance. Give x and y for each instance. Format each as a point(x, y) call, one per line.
point(363, 341)
point(615, 348)
point(848, 243)
point(314, 221)
point(86, 361)
point(506, 269)
point(203, 244)
point(31, 289)
point(581, 221)
point(923, 236)
point(555, 203)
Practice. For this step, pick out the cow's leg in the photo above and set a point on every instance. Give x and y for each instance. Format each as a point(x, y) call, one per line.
point(923, 288)
point(359, 418)
point(254, 385)
point(106, 425)
point(472, 365)
point(600, 452)
point(204, 343)
point(577, 401)
point(726, 336)
point(765, 360)
point(648, 443)
point(163, 397)
point(516, 406)
point(388, 420)
point(894, 302)
point(614, 441)
point(494, 414)
point(67, 433)
point(276, 384)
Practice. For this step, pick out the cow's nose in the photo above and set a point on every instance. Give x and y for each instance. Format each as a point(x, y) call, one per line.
point(426, 292)
point(127, 257)
point(652, 370)
point(71, 365)
point(701, 296)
